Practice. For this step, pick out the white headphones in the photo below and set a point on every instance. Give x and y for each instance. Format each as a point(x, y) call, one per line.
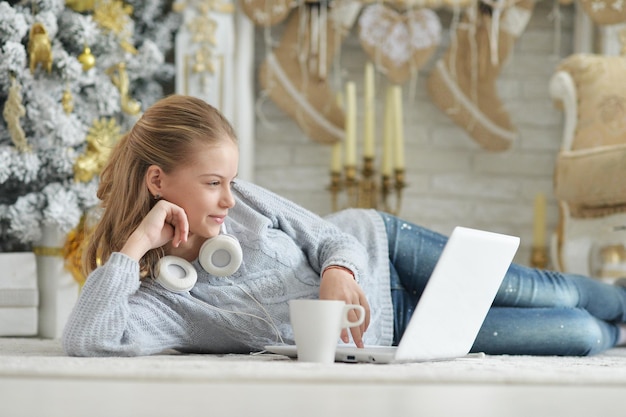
point(220, 256)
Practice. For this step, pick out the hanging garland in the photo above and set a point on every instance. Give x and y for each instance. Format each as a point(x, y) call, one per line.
point(13, 111)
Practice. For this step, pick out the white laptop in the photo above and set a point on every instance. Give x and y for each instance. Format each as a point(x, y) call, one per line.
point(453, 306)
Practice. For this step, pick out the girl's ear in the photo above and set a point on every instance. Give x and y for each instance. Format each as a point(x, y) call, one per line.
point(154, 175)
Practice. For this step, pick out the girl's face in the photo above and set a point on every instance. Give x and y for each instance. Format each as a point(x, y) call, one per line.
point(202, 187)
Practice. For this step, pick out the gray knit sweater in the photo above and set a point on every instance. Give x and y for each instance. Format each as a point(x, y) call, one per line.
point(285, 248)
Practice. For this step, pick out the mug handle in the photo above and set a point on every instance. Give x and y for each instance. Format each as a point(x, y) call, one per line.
point(361, 315)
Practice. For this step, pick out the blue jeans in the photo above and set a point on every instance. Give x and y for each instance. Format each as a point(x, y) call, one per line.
point(535, 312)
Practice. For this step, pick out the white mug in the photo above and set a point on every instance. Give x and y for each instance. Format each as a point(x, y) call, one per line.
point(317, 325)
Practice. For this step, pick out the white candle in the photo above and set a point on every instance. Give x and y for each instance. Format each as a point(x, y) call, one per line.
point(539, 224)
point(340, 100)
point(350, 124)
point(388, 134)
point(335, 165)
point(336, 162)
point(369, 113)
point(399, 128)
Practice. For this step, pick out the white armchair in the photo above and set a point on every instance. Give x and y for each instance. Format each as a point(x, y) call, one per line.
point(590, 174)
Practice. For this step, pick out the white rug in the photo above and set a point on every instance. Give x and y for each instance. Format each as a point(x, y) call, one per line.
point(44, 358)
point(37, 379)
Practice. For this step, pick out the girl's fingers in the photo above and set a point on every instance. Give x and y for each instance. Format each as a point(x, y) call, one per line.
point(181, 228)
point(344, 336)
point(173, 223)
point(358, 331)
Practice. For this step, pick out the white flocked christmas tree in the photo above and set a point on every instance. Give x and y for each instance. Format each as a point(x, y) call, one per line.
point(74, 76)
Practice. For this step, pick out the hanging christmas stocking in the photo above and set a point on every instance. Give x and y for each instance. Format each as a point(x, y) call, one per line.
point(295, 74)
point(463, 82)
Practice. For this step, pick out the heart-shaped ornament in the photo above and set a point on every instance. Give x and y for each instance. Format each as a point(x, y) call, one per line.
point(266, 12)
point(605, 12)
point(399, 43)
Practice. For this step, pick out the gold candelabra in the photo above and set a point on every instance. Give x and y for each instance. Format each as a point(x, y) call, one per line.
point(539, 250)
point(364, 191)
point(607, 262)
point(539, 257)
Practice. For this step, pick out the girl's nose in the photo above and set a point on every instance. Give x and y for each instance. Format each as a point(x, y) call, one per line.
point(227, 198)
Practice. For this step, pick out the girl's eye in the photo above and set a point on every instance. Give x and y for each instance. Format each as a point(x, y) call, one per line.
point(214, 183)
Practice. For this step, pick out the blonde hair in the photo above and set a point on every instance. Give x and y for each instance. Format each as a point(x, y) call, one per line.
point(167, 135)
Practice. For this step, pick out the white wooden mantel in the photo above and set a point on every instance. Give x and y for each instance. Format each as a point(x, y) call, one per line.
point(229, 85)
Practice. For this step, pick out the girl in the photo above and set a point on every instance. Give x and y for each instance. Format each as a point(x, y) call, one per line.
point(170, 185)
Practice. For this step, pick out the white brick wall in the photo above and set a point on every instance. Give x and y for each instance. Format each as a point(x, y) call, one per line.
point(451, 180)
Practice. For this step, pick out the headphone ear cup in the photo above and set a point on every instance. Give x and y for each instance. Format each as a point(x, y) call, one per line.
point(175, 274)
point(221, 255)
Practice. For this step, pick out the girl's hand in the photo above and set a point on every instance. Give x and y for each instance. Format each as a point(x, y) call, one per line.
point(164, 223)
point(339, 284)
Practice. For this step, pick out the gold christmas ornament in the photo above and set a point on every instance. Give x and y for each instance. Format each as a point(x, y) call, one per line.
point(179, 6)
point(103, 134)
point(67, 101)
point(81, 5)
point(119, 78)
point(73, 251)
point(39, 47)
point(131, 106)
point(113, 15)
point(128, 47)
point(116, 17)
point(75, 245)
point(13, 111)
point(87, 59)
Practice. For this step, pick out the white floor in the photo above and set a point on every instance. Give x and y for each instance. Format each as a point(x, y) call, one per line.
point(91, 398)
